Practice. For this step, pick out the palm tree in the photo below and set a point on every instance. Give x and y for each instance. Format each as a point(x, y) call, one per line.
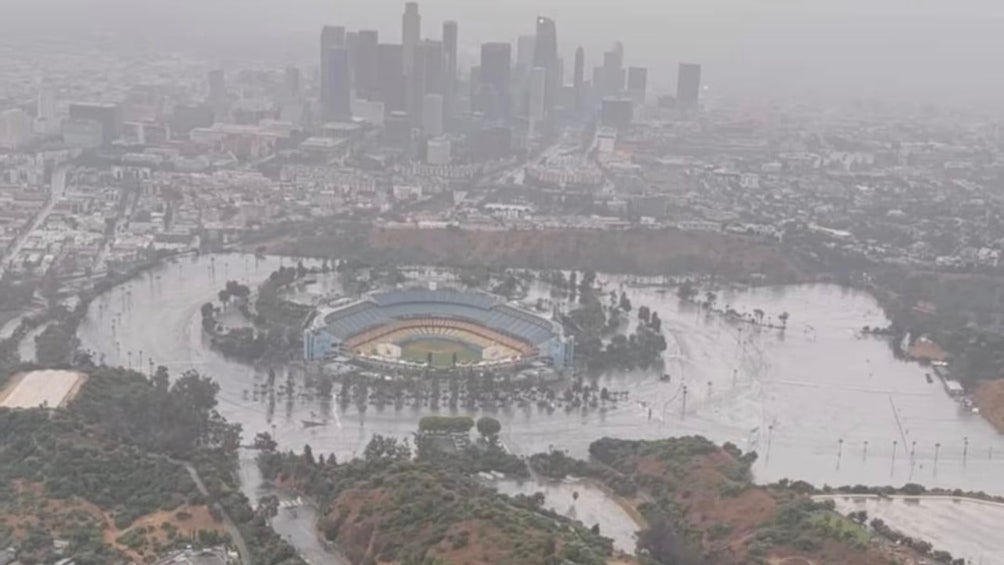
point(784, 319)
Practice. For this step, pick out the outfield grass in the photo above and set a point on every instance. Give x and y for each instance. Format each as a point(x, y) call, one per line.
point(417, 351)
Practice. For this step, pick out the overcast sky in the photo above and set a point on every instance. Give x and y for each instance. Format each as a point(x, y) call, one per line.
point(905, 50)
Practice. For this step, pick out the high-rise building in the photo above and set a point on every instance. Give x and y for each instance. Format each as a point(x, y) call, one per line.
point(428, 76)
point(411, 33)
point(432, 114)
point(109, 116)
point(494, 80)
point(538, 94)
point(218, 93)
point(336, 93)
point(688, 86)
point(15, 128)
point(637, 84)
point(637, 78)
point(613, 71)
point(331, 37)
point(545, 56)
point(186, 118)
point(291, 83)
point(450, 54)
point(365, 64)
point(524, 51)
point(390, 76)
point(492, 143)
point(579, 79)
point(45, 111)
point(616, 112)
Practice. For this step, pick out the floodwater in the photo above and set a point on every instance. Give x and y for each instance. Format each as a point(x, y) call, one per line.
point(964, 527)
point(583, 501)
point(26, 349)
point(296, 519)
point(815, 401)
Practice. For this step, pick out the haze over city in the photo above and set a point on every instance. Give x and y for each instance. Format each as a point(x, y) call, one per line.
point(307, 282)
point(898, 51)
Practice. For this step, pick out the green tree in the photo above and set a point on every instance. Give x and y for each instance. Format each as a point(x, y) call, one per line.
point(489, 429)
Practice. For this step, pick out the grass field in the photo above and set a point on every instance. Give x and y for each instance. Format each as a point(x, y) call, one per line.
point(442, 350)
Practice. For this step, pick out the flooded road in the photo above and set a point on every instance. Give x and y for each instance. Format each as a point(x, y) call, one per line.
point(296, 519)
point(817, 402)
point(964, 527)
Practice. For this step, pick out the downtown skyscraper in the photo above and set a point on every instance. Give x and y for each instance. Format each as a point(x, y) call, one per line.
point(494, 85)
point(545, 56)
point(450, 53)
point(688, 86)
point(411, 34)
point(579, 79)
point(336, 88)
point(365, 64)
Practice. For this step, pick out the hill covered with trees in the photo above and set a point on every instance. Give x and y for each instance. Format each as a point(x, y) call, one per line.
point(114, 477)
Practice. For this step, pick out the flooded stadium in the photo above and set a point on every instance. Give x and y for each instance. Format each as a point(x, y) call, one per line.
point(817, 401)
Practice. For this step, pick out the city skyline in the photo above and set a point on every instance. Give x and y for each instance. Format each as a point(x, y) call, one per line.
point(836, 52)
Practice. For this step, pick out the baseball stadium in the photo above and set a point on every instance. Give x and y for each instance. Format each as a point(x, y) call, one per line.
point(439, 329)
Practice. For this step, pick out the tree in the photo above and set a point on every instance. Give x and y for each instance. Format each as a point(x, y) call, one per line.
point(625, 303)
point(161, 379)
point(587, 282)
point(655, 322)
point(643, 314)
point(263, 441)
point(784, 319)
point(268, 506)
point(686, 291)
point(758, 314)
point(489, 429)
point(382, 448)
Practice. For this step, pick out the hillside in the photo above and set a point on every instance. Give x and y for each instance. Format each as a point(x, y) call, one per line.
point(702, 507)
point(638, 251)
point(111, 478)
point(389, 508)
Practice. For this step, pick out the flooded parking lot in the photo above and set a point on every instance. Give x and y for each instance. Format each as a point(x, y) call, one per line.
point(583, 501)
point(816, 401)
point(966, 528)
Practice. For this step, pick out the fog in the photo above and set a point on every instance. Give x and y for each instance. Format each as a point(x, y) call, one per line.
point(897, 50)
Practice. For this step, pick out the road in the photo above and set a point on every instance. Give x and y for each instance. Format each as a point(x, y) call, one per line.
point(298, 526)
point(232, 529)
point(57, 189)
